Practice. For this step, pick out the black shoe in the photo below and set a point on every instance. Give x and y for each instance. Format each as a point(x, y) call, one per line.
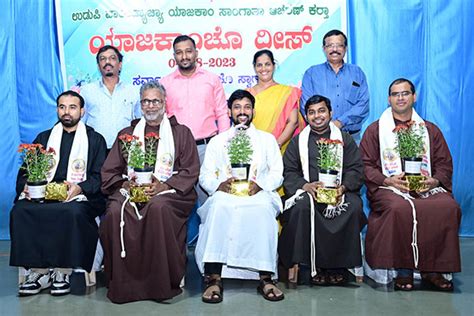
point(35, 282)
point(61, 285)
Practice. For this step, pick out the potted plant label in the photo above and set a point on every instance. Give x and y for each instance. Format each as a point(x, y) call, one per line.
point(36, 162)
point(240, 153)
point(410, 146)
point(142, 161)
point(329, 164)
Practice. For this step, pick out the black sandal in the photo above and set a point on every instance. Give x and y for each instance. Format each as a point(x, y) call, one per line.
point(261, 290)
point(335, 277)
point(437, 282)
point(216, 296)
point(402, 282)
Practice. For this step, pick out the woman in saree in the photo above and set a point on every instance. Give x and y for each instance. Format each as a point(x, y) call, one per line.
point(276, 105)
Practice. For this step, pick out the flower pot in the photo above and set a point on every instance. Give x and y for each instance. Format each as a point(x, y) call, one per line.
point(328, 178)
point(240, 171)
point(37, 190)
point(412, 165)
point(143, 175)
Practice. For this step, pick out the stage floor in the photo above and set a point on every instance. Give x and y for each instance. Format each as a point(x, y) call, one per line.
point(240, 297)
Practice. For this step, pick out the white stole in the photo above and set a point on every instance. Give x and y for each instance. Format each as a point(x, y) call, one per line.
point(165, 151)
point(77, 164)
point(389, 157)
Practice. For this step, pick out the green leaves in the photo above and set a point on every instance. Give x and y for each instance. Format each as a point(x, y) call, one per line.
point(410, 140)
point(240, 148)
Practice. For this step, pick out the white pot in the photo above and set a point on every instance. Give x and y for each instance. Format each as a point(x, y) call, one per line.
point(413, 166)
point(143, 177)
point(37, 191)
point(240, 171)
point(328, 178)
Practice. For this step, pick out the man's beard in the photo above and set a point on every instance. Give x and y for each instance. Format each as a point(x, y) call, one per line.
point(154, 116)
point(187, 68)
point(237, 122)
point(69, 123)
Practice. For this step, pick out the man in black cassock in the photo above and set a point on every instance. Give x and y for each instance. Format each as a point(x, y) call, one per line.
point(60, 235)
point(324, 237)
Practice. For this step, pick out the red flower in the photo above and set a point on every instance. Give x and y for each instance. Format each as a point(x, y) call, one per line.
point(152, 135)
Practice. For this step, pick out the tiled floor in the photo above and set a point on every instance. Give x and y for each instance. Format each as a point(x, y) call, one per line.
point(240, 297)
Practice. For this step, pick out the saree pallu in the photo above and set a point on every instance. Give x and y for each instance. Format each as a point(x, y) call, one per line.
point(273, 107)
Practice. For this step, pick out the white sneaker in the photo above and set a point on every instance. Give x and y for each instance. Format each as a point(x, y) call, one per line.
point(35, 282)
point(61, 285)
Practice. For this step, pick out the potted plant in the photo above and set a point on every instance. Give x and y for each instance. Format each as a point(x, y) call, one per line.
point(37, 161)
point(240, 153)
point(142, 161)
point(411, 147)
point(329, 164)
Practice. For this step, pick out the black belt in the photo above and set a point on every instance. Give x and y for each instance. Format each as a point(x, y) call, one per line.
point(204, 140)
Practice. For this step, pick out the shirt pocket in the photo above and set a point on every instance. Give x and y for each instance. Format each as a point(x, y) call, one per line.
point(353, 94)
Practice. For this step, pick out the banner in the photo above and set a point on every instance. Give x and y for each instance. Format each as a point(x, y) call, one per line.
point(227, 34)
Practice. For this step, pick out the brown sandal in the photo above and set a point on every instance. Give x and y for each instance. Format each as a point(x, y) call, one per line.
point(320, 279)
point(216, 296)
point(401, 283)
point(336, 278)
point(436, 282)
point(267, 295)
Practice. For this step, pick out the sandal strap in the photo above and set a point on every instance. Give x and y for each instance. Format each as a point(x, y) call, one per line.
point(267, 280)
point(211, 282)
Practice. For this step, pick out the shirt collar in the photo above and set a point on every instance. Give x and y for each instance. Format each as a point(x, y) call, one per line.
point(328, 65)
point(177, 73)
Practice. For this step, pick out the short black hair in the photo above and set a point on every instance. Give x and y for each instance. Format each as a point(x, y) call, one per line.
point(107, 47)
point(315, 99)
point(401, 80)
point(73, 94)
point(183, 38)
point(263, 52)
point(239, 95)
point(334, 33)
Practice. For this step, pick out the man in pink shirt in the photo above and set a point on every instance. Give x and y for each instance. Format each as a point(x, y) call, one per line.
point(195, 97)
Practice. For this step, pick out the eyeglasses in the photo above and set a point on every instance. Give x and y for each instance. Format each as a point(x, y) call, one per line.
point(111, 57)
point(337, 46)
point(155, 102)
point(400, 94)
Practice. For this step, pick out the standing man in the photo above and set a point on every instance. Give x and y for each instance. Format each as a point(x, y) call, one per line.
point(195, 97)
point(311, 230)
point(145, 244)
point(61, 235)
point(344, 84)
point(110, 103)
point(410, 231)
point(238, 234)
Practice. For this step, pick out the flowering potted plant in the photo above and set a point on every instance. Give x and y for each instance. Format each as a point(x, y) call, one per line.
point(329, 164)
point(37, 162)
point(411, 147)
point(141, 161)
point(240, 153)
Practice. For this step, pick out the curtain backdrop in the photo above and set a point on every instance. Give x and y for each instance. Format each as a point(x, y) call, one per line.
point(428, 42)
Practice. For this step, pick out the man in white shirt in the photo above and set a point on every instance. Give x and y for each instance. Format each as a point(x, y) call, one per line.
point(111, 104)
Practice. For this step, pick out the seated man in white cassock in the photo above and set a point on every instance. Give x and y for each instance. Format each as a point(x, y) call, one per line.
point(60, 235)
point(238, 235)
